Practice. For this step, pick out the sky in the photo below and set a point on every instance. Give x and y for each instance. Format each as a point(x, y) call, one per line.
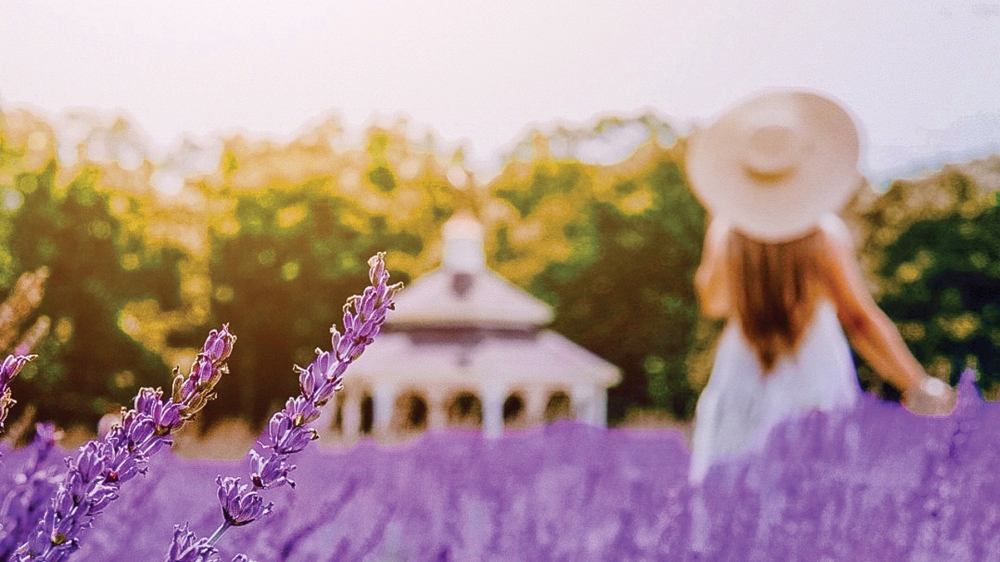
point(922, 77)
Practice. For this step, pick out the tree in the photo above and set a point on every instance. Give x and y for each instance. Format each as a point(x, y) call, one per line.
point(292, 228)
point(922, 244)
point(98, 260)
point(623, 285)
point(282, 265)
point(944, 275)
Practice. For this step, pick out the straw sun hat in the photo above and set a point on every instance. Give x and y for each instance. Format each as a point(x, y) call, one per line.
point(775, 164)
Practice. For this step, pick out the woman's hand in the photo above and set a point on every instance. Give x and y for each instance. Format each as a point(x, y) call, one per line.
point(932, 397)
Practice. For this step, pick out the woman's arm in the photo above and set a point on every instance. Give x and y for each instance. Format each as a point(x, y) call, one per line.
point(710, 281)
point(871, 332)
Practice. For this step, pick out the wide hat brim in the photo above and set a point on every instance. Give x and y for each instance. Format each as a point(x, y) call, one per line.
point(775, 164)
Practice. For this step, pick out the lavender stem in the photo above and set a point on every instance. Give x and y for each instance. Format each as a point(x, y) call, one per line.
point(219, 532)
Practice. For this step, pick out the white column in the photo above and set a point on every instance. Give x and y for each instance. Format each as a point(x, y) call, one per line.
point(492, 396)
point(437, 417)
point(583, 403)
point(383, 404)
point(534, 405)
point(601, 407)
point(350, 414)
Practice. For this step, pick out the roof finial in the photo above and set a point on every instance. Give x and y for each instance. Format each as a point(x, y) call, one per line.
point(463, 243)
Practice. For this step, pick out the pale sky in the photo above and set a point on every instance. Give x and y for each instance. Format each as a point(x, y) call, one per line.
point(921, 76)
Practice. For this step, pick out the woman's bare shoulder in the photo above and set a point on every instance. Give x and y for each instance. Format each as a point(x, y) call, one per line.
point(841, 271)
point(835, 230)
point(837, 244)
point(718, 232)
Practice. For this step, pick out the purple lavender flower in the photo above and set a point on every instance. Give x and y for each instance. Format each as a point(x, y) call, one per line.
point(240, 505)
point(288, 431)
point(102, 465)
point(285, 436)
point(302, 410)
point(269, 472)
point(194, 391)
point(32, 488)
point(9, 369)
point(187, 547)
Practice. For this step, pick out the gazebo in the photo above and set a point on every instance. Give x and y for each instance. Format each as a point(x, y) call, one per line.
point(466, 348)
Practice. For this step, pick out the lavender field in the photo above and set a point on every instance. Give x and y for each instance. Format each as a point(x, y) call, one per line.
point(877, 483)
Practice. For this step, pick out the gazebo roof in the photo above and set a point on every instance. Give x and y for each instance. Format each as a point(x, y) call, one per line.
point(446, 297)
point(463, 324)
point(543, 357)
point(464, 292)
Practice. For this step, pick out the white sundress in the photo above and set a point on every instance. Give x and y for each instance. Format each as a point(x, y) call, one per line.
point(739, 406)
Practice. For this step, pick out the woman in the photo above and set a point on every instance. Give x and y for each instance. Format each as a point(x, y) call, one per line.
point(778, 265)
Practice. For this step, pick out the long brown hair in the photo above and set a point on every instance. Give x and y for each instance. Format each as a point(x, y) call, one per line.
point(774, 290)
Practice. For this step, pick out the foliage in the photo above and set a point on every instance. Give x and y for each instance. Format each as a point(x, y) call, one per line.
point(280, 271)
point(98, 259)
point(23, 299)
point(286, 243)
point(281, 232)
point(291, 229)
point(622, 287)
point(946, 274)
point(929, 244)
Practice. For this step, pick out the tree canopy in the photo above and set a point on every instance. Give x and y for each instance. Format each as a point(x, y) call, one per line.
point(276, 237)
point(98, 260)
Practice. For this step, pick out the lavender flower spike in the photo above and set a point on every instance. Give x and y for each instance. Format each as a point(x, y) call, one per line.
point(187, 547)
point(288, 432)
point(94, 477)
point(9, 369)
point(32, 487)
point(240, 507)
